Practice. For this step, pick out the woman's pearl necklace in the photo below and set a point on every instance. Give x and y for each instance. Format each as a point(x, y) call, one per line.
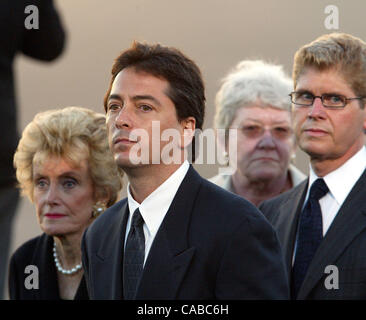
point(58, 264)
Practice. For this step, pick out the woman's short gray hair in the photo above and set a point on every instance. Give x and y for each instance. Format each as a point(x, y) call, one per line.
point(251, 81)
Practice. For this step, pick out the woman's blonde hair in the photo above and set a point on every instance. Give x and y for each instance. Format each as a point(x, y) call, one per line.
point(73, 133)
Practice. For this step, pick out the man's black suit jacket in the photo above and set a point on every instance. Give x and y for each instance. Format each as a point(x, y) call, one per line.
point(211, 244)
point(344, 244)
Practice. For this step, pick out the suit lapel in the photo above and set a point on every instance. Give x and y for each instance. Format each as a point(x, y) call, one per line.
point(164, 270)
point(287, 222)
point(348, 223)
point(110, 255)
point(170, 254)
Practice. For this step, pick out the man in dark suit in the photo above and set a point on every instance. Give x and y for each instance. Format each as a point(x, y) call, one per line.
point(321, 223)
point(176, 235)
point(45, 43)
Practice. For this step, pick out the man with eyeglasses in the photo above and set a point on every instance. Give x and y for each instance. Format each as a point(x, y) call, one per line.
point(321, 223)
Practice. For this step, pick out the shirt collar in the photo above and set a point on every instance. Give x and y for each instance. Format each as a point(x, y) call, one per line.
point(154, 208)
point(341, 181)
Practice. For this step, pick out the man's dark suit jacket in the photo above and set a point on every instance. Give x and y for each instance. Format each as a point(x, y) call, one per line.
point(211, 244)
point(37, 252)
point(343, 246)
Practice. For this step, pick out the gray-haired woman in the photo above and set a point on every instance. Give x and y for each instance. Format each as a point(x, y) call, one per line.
point(253, 99)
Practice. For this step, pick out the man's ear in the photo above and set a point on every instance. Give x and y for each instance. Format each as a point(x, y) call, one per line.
point(188, 126)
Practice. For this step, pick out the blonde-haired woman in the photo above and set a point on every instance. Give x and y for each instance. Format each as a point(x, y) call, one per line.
point(64, 165)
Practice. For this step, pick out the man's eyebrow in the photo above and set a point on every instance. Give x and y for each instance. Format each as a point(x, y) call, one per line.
point(304, 91)
point(114, 97)
point(333, 93)
point(146, 97)
point(136, 98)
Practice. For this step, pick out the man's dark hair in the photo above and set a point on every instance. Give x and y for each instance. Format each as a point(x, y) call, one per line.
point(186, 87)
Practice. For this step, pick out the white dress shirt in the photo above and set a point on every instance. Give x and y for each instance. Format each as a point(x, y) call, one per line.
point(340, 183)
point(154, 208)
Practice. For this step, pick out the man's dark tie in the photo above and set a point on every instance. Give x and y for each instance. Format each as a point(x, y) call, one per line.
point(310, 234)
point(133, 262)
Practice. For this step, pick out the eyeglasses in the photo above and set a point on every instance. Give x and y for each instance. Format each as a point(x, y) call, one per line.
point(256, 131)
point(329, 100)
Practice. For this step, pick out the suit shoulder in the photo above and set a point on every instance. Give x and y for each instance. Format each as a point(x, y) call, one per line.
point(107, 218)
point(227, 217)
point(227, 205)
point(284, 196)
point(268, 207)
point(221, 195)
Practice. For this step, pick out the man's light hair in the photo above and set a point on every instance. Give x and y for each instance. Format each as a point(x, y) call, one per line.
point(341, 51)
point(251, 82)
